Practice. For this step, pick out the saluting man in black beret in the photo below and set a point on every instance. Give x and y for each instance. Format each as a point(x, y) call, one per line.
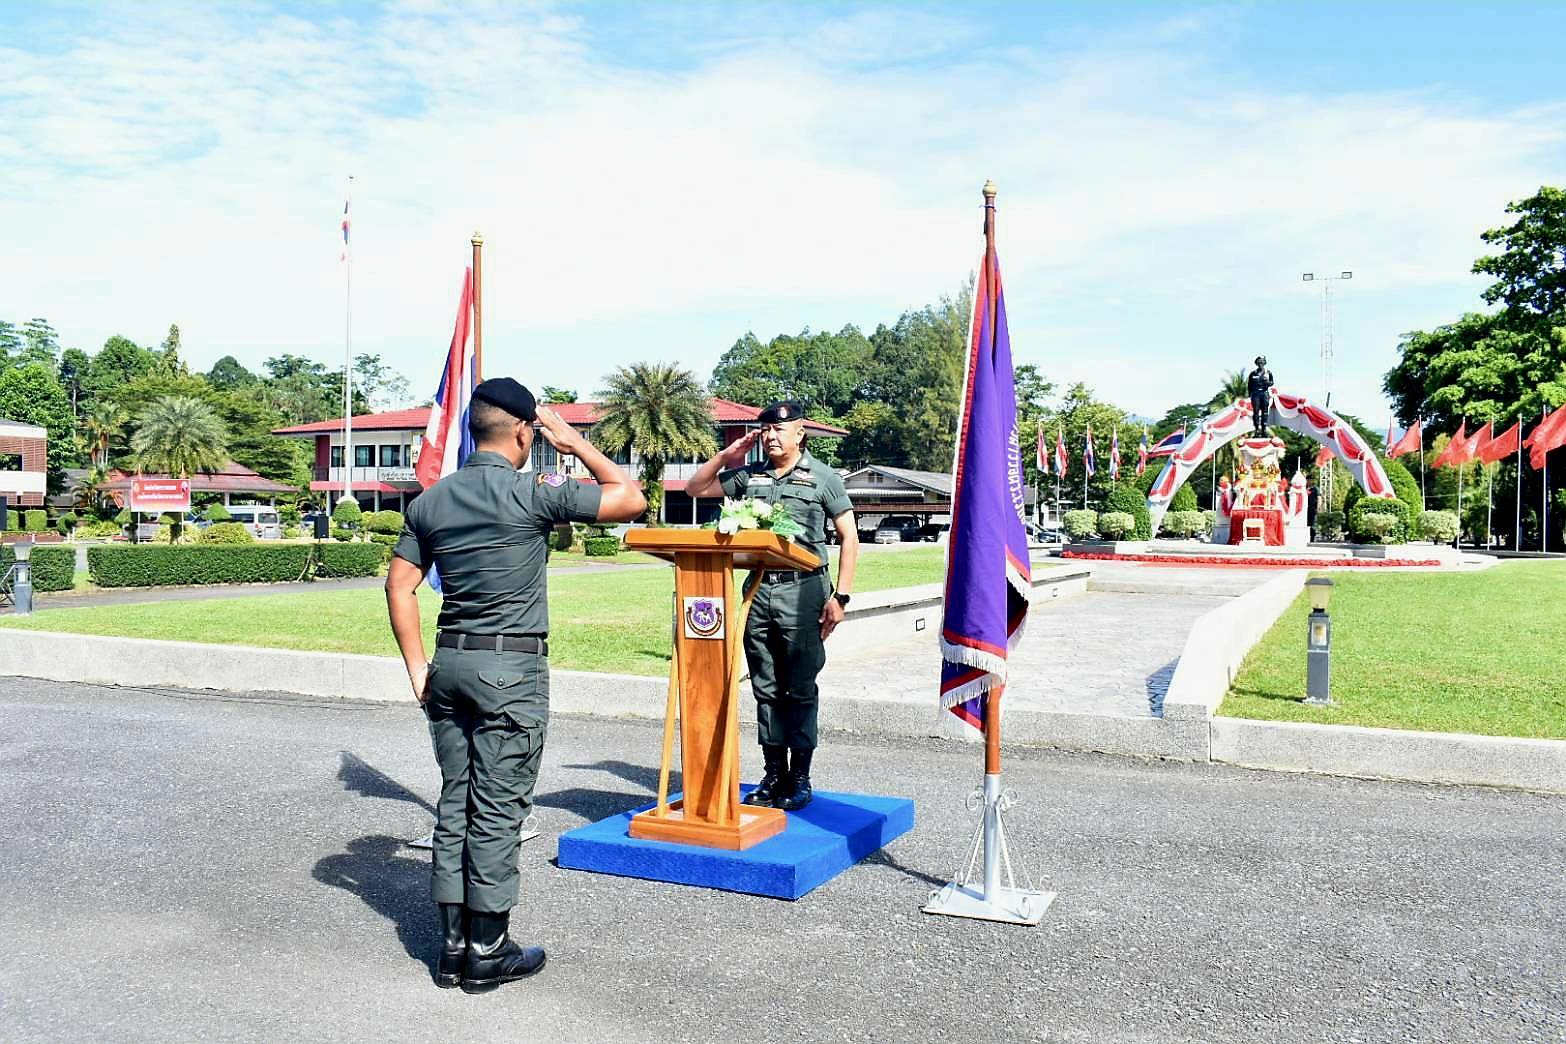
point(486, 693)
point(793, 612)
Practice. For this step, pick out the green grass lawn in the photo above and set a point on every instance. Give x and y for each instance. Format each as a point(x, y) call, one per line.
point(616, 620)
point(1438, 652)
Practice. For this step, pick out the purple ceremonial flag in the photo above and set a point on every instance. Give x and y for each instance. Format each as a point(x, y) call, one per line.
point(987, 572)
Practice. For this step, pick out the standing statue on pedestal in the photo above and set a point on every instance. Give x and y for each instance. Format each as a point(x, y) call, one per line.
point(1259, 384)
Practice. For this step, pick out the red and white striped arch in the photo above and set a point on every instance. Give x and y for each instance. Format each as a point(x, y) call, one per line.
point(1294, 412)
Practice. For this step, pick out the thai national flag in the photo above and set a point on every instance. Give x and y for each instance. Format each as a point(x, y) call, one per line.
point(1142, 454)
point(1114, 457)
point(446, 440)
point(1061, 459)
point(1087, 453)
point(987, 565)
point(1041, 451)
point(345, 230)
point(1169, 445)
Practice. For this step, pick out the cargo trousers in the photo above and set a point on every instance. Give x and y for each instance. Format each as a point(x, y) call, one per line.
point(784, 652)
point(488, 713)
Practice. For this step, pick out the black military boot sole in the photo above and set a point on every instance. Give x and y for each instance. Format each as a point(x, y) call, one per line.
point(797, 797)
point(470, 985)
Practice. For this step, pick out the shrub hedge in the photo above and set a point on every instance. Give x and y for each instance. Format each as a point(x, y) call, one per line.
point(226, 533)
point(342, 533)
point(384, 522)
point(54, 568)
point(1184, 499)
point(1438, 526)
point(37, 520)
point(145, 565)
point(1127, 498)
point(1183, 524)
point(1331, 526)
point(217, 513)
point(1379, 527)
point(601, 546)
point(347, 513)
point(1373, 533)
point(1114, 525)
point(349, 559)
point(1080, 524)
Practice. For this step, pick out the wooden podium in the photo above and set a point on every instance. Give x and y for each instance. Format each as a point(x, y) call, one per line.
point(704, 681)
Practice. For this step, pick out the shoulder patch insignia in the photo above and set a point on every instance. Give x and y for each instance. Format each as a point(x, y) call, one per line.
point(554, 479)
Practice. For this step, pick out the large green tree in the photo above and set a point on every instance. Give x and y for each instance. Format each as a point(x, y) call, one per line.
point(41, 344)
point(1075, 412)
point(10, 344)
point(1495, 367)
point(32, 395)
point(179, 435)
point(824, 371)
point(117, 363)
point(660, 411)
point(228, 373)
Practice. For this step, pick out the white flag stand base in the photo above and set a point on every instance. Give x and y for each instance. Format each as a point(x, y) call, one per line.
point(989, 899)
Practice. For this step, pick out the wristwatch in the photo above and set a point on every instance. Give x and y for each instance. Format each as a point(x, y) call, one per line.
point(842, 599)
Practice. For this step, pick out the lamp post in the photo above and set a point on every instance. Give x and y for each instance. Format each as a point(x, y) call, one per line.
point(22, 585)
point(1318, 644)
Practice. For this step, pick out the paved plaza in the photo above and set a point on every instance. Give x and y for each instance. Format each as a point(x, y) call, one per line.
point(190, 867)
point(1110, 651)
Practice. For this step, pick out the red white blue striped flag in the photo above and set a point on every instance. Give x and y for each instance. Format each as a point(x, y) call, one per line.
point(1089, 462)
point(345, 230)
point(446, 442)
point(1114, 457)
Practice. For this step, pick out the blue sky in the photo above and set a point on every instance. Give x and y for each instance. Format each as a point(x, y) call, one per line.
point(655, 180)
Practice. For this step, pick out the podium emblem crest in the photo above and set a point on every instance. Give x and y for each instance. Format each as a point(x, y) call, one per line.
point(703, 618)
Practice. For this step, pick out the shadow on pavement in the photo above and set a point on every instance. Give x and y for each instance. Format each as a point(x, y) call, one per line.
point(592, 805)
point(881, 858)
point(645, 776)
point(360, 777)
point(1158, 686)
point(393, 885)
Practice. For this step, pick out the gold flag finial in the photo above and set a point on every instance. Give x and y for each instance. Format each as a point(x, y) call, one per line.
point(478, 240)
point(989, 191)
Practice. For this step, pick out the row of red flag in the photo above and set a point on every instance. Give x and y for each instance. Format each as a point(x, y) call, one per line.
point(1484, 445)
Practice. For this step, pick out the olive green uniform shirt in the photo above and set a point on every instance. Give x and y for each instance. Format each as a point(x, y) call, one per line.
point(810, 491)
point(485, 528)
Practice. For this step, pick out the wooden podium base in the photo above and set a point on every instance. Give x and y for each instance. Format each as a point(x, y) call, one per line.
point(756, 824)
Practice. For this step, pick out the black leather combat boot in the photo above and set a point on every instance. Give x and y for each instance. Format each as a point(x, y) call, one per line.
point(453, 946)
point(493, 959)
point(775, 781)
point(797, 795)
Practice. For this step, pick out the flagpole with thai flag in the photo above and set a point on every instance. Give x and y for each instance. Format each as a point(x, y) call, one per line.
point(1114, 456)
point(988, 581)
point(1088, 465)
point(347, 260)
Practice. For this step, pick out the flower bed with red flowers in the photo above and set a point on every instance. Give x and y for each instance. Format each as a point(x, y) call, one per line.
point(1252, 563)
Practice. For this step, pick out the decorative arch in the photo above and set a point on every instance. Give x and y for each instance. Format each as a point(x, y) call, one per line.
point(1294, 412)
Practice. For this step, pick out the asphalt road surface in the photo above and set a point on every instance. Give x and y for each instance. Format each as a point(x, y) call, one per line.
point(191, 867)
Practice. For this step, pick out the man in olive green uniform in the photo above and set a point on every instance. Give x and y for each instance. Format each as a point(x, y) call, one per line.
point(793, 612)
point(485, 529)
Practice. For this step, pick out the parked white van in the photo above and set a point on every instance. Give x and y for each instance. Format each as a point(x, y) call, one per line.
point(262, 521)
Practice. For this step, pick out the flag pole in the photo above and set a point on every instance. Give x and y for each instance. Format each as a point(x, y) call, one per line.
point(997, 900)
point(1544, 492)
point(1461, 465)
point(478, 307)
point(347, 349)
point(1517, 522)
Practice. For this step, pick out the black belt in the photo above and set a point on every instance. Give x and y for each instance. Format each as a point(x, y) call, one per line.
point(524, 643)
point(789, 576)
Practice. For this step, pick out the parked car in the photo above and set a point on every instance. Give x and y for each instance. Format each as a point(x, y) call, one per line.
point(262, 521)
point(895, 529)
point(1042, 535)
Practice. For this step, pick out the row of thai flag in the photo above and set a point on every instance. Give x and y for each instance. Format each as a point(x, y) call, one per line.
point(1484, 445)
point(1168, 446)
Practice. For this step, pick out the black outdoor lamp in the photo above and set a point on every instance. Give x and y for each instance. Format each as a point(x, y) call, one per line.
point(22, 585)
point(1318, 643)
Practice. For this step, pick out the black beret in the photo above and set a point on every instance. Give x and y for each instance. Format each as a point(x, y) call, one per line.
point(779, 412)
point(509, 396)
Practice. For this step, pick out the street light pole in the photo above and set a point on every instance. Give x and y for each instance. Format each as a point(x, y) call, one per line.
point(1326, 280)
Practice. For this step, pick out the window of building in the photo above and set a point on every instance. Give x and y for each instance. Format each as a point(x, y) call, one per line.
point(337, 456)
point(391, 456)
point(10, 462)
point(364, 456)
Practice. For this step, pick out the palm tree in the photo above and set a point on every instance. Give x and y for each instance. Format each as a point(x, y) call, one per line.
point(178, 435)
point(102, 423)
point(89, 491)
point(662, 413)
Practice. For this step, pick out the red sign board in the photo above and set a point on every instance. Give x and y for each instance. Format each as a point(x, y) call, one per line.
point(159, 495)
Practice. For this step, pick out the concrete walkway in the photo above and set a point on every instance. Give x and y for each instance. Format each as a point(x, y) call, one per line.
point(1111, 651)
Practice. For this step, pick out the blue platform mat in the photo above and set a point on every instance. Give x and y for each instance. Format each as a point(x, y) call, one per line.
point(828, 836)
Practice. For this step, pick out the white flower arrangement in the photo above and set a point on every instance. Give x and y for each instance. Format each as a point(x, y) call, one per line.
point(749, 513)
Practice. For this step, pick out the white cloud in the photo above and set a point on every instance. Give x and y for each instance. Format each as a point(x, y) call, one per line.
point(1155, 214)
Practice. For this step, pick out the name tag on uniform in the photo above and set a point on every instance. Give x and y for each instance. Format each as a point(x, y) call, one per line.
point(761, 480)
